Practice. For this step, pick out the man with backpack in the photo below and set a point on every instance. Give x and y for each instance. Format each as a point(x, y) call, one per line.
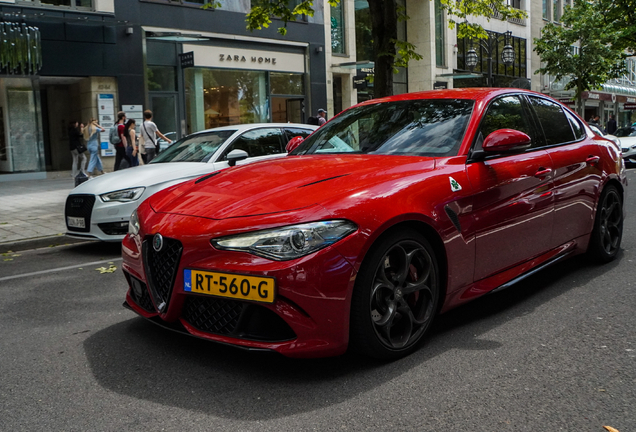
point(117, 139)
point(319, 119)
point(149, 132)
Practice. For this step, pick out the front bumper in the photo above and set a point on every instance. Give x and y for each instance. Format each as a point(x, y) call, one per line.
point(103, 221)
point(629, 154)
point(309, 317)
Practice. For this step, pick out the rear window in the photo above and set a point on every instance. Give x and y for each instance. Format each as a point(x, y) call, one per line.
point(556, 127)
point(577, 128)
point(430, 127)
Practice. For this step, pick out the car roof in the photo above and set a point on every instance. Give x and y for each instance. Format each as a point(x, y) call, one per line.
point(250, 126)
point(471, 93)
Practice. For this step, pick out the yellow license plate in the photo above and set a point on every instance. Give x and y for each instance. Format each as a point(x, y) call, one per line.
point(242, 287)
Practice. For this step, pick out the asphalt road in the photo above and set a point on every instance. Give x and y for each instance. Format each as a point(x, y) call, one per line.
point(555, 352)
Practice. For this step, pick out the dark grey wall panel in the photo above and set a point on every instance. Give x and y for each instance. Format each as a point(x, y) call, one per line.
point(84, 33)
point(161, 53)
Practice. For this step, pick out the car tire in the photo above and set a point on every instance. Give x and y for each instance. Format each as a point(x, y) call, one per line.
point(606, 236)
point(395, 296)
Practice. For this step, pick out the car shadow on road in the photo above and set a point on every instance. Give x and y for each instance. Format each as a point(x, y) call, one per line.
point(138, 359)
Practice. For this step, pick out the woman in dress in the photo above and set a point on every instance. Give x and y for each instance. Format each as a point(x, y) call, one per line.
point(91, 135)
point(131, 139)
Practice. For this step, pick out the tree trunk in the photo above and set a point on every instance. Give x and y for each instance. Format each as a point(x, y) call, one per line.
point(384, 30)
point(579, 98)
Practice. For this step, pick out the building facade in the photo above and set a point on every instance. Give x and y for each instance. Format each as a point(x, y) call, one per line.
point(349, 57)
point(194, 68)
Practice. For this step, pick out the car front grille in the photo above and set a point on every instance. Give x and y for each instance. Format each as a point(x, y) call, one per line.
point(161, 269)
point(235, 318)
point(79, 206)
point(212, 315)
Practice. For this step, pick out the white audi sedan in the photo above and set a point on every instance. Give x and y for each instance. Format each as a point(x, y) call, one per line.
point(101, 207)
point(627, 136)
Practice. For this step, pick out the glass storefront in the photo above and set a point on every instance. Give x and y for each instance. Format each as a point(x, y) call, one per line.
point(222, 97)
point(21, 145)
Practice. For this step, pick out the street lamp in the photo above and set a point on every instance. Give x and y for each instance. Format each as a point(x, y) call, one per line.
point(507, 54)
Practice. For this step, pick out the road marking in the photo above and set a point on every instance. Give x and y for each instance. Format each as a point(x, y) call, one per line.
point(58, 269)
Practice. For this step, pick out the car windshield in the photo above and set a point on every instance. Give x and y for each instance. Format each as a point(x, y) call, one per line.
point(194, 148)
point(432, 127)
point(625, 132)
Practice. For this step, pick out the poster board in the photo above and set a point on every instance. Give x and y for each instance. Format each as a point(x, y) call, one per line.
point(106, 112)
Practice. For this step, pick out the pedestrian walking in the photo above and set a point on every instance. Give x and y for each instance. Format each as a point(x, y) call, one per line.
point(78, 149)
point(611, 125)
point(150, 131)
point(131, 149)
point(322, 117)
point(118, 140)
point(91, 135)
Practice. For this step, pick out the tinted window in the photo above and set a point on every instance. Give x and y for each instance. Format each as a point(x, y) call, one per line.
point(625, 132)
point(579, 132)
point(260, 142)
point(432, 127)
point(595, 129)
point(194, 148)
point(555, 124)
point(294, 132)
point(505, 113)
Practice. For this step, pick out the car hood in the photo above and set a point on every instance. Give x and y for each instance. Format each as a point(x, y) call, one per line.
point(146, 175)
point(286, 184)
point(627, 141)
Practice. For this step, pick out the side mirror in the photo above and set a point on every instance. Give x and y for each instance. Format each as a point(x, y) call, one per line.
point(293, 143)
point(506, 140)
point(236, 155)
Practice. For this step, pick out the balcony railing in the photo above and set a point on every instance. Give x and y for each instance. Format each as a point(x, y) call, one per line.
point(497, 15)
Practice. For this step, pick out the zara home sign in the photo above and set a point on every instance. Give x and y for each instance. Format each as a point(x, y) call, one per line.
point(238, 58)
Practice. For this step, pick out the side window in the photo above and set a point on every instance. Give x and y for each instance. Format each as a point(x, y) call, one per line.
point(579, 132)
point(294, 132)
point(260, 142)
point(555, 125)
point(506, 113)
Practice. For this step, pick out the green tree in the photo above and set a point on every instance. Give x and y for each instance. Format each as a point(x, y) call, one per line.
point(580, 49)
point(389, 52)
point(620, 17)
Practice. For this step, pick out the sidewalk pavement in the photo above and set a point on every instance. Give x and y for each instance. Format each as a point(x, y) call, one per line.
point(32, 212)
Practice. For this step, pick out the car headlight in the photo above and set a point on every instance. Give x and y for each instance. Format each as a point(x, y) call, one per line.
point(124, 195)
point(133, 225)
point(290, 242)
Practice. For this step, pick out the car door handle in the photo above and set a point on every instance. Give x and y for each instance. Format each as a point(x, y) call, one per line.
point(591, 160)
point(542, 172)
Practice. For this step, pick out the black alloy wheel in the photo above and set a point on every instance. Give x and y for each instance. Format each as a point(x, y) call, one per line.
point(608, 226)
point(396, 296)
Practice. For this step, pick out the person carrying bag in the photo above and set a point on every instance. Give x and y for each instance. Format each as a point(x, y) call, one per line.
point(150, 132)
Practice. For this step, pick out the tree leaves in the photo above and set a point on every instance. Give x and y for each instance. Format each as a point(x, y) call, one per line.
point(461, 11)
point(580, 49)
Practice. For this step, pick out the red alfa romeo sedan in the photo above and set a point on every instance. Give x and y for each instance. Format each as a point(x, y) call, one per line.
point(396, 210)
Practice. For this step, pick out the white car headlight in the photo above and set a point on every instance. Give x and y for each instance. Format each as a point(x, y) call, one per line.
point(289, 242)
point(124, 195)
point(133, 225)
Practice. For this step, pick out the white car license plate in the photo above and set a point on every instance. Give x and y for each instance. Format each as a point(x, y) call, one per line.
point(75, 222)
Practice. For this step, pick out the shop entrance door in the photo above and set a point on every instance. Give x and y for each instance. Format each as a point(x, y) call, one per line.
point(164, 111)
point(287, 110)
